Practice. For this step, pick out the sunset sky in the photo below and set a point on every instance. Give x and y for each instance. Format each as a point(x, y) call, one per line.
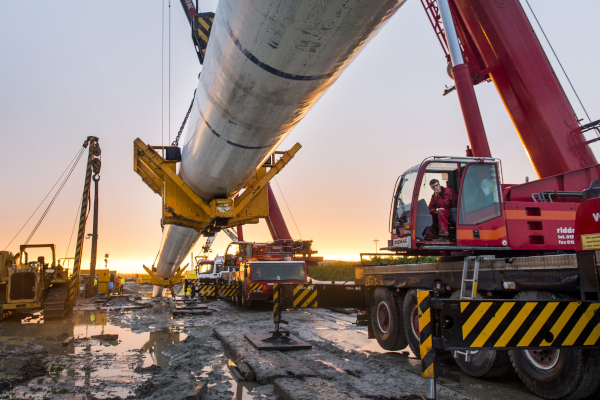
point(70, 69)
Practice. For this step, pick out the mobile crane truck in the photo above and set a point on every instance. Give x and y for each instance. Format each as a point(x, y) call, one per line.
point(537, 242)
point(257, 266)
point(505, 241)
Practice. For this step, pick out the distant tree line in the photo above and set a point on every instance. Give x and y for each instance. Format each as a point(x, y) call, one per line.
point(344, 270)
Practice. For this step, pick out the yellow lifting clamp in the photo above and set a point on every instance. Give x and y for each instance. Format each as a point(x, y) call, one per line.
point(157, 281)
point(181, 206)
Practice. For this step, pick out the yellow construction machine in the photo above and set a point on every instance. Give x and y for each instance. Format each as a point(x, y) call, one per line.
point(28, 283)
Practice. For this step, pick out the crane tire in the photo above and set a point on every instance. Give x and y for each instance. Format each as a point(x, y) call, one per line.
point(483, 363)
point(557, 374)
point(411, 327)
point(410, 311)
point(386, 319)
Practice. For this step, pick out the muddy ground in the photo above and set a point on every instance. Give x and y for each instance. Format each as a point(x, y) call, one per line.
point(157, 356)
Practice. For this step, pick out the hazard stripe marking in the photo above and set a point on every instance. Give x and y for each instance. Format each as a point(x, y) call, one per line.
point(581, 324)
point(311, 298)
point(537, 325)
point(426, 345)
point(474, 318)
point(516, 324)
point(428, 361)
point(298, 299)
point(490, 328)
point(428, 373)
point(594, 336)
point(561, 322)
point(424, 320)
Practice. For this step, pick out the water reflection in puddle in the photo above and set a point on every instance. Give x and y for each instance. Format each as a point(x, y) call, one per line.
point(152, 344)
point(241, 390)
point(105, 366)
point(86, 324)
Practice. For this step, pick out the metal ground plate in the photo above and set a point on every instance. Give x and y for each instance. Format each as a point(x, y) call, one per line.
point(294, 344)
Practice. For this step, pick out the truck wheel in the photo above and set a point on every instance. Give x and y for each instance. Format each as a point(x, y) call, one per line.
point(410, 311)
point(556, 374)
point(483, 363)
point(386, 319)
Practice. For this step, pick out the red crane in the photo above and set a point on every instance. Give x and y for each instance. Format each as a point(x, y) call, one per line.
point(497, 42)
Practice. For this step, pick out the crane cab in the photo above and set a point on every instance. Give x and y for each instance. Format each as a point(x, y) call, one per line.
point(475, 212)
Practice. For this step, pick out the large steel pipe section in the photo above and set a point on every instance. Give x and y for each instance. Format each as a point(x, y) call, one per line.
point(267, 63)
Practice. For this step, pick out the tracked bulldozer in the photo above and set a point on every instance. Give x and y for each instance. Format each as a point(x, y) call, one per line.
point(33, 284)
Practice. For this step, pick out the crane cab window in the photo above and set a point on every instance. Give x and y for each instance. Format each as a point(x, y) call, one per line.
point(219, 267)
point(205, 267)
point(404, 196)
point(447, 175)
point(480, 195)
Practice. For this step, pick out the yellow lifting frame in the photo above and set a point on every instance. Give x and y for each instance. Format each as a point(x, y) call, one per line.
point(181, 206)
point(157, 281)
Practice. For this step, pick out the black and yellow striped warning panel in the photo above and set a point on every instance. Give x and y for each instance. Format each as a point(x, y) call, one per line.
point(229, 290)
point(206, 290)
point(480, 324)
point(255, 288)
point(305, 296)
point(202, 26)
point(428, 360)
point(322, 296)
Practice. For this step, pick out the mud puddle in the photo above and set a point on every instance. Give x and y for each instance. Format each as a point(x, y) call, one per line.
point(240, 389)
point(94, 363)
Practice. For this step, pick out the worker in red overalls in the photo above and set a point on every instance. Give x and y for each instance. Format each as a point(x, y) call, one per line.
point(442, 200)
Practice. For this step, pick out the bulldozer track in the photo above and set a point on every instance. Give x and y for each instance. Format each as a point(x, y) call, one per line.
point(55, 304)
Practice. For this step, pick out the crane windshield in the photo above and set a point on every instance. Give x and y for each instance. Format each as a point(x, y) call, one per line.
point(405, 192)
point(278, 271)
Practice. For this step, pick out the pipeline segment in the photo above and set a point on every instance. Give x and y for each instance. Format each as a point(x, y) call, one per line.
point(266, 65)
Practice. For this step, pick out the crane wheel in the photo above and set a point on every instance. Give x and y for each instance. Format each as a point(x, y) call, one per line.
point(483, 363)
point(386, 319)
point(410, 312)
point(557, 374)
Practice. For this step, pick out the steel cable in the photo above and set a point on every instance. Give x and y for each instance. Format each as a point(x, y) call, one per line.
point(288, 207)
point(53, 199)
point(557, 59)
point(77, 156)
point(74, 225)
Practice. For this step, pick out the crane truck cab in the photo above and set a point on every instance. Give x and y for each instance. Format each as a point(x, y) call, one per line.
point(210, 271)
point(257, 266)
point(487, 217)
point(476, 215)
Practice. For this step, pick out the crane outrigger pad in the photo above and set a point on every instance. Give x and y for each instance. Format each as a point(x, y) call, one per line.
point(292, 343)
